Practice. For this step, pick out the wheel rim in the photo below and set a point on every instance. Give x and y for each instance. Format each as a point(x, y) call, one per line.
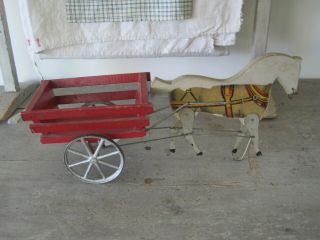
point(94, 159)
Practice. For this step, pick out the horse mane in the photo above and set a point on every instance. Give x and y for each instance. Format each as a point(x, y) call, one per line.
point(162, 80)
point(263, 58)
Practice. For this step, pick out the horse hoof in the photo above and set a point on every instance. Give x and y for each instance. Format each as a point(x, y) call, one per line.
point(234, 151)
point(259, 154)
point(200, 154)
point(172, 150)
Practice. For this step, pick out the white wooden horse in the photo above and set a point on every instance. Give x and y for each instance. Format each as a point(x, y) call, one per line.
point(244, 96)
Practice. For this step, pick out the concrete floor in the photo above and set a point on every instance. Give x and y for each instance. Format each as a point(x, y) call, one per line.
point(173, 196)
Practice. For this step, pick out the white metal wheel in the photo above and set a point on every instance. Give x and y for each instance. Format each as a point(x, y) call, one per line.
point(94, 159)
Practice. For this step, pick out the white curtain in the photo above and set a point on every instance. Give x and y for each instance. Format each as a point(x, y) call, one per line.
point(211, 29)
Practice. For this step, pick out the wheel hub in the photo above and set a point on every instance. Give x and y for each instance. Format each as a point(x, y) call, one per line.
point(93, 160)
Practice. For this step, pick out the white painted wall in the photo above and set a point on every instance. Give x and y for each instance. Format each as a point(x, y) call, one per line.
point(295, 26)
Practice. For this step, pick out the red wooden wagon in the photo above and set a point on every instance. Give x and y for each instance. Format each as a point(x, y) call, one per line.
point(89, 121)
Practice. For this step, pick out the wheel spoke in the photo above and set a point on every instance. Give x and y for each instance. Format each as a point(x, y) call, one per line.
point(99, 170)
point(98, 148)
point(109, 165)
point(86, 146)
point(78, 163)
point(77, 153)
point(108, 155)
point(88, 170)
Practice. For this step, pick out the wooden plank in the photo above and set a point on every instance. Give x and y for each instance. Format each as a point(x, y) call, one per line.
point(65, 138)
point(10, 101)
point(143, 88)
point(43, 96)
point(87, 112)
point(96, 97)
point(90, 125)
point(260, 42)
point(261, 27)
point(96, 80)
point(7, 64)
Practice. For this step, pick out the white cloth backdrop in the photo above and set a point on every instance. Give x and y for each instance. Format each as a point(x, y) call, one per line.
point(212, 28)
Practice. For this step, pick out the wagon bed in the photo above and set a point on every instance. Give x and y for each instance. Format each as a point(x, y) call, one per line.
point(58, 124)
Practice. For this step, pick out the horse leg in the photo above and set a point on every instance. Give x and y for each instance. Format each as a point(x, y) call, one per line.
point(252, 124)
point(173, 132)
point(241, 135)
point(187, 117)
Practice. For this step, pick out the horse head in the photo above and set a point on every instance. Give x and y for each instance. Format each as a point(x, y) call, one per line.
point(289, 74)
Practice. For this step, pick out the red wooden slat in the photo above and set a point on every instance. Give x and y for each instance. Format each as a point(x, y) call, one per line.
point(96, 80)
point(42, 97)
point(125, 123)
point(143, 88)
point(65, 138)
point(85, 112)
point(96, 97)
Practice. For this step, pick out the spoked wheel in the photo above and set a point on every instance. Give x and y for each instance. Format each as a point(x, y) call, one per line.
point(94, 159)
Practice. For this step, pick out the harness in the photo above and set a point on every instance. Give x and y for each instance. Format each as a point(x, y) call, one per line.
point(260, 97)
point(227, 93)
point(256, 95)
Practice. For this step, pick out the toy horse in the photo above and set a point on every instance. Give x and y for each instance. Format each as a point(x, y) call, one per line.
point(244, 96)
